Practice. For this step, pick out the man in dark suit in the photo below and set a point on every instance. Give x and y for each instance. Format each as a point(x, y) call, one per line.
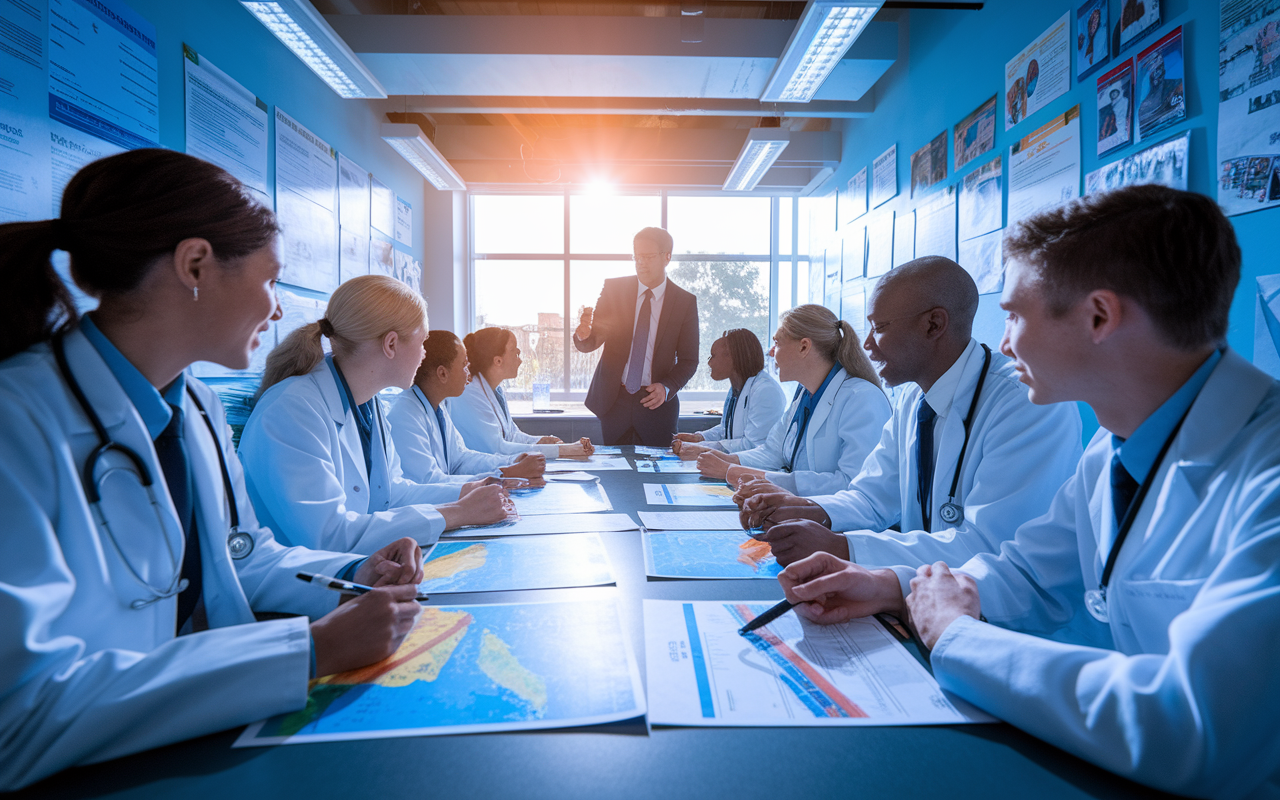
point(649, 329)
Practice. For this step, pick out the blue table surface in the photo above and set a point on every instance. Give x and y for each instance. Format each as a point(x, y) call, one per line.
point(625, 760)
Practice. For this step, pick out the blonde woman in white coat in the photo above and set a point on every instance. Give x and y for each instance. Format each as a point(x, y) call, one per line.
point(834, 420)
point(110, 552)
point(752, 407)
point(321, 465)
point(481, 412)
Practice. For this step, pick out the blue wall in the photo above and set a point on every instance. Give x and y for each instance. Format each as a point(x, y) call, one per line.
point(230, 37)
point(955, 60)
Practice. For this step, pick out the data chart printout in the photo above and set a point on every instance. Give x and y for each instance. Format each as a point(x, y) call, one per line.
point(594, 463)
point(788, 673)
point(476, 668)
point(546, 523)
point(561, 498)
point(664, 465)
point(688, 494)
point(707, 554)
point(690, 520)
point(557, 561)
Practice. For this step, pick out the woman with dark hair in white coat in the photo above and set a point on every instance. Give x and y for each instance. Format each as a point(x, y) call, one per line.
point(752, 407)
point(321, 465)
point(835, 418)
point(430, 447)
point(126, 517)
point(481, 412)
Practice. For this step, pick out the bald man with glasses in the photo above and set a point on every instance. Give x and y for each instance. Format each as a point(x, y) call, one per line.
point(648, 327)
point(966, 458)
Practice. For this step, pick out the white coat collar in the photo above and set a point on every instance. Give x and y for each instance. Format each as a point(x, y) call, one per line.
point(99, 385)
point(945, 391)
point(825, 403)
point(1221, 410)
point(345, 419)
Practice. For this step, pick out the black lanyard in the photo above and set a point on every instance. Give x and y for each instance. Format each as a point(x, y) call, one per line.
point(728, 414)
point(804, 426)
point(222, 461)
point(1134, 506)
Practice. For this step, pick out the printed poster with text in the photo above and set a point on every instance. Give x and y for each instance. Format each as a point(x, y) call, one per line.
point(306, 205)
point(226, 123)
point(1044, 168)
point(1038, 75)
point(1249, 106)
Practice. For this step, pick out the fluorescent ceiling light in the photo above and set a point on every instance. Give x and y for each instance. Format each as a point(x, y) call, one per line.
point(410, 142)
point(304, 31)
point(826, 31)
point(762, 148)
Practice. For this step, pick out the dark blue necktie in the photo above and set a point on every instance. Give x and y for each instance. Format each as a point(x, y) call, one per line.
point(925, 415)
point(1123, 488)
point(171, 450)
point(444, 440)
point(639, 344)
point(502, 401)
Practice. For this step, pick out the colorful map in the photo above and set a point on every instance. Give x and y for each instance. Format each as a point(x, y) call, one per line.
point(466, 669)
point(707, 554)
point(701, 671)
point(561, 498)
point(688, 494)
point(535, 562)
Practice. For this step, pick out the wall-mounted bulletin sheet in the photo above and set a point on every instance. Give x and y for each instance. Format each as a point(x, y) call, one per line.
point(975, 134)
point(24, 113)
point(226, 123)
point(104, 80)
point(884, 177)
point(306, 204)
point(353, 218)
point(404, 222)
point(1249, 105)
point(855, 196)
point(904, 238)
point(936, 225)
point(1038, 75)
point(382, 211)
point(1044, 167)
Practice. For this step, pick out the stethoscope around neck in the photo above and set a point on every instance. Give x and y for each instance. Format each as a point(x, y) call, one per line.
point(952, 512)
point(239, 544)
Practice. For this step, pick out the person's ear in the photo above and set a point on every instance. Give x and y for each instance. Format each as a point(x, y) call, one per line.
point(191, 258)
point(1105, 312)
point(390, 341)
point(937, 321)
point(804, 345)
point(442, 374)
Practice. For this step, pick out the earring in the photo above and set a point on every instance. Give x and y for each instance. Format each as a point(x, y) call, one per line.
point(195, 293)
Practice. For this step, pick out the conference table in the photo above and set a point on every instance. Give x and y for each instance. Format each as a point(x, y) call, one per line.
point(621, 760)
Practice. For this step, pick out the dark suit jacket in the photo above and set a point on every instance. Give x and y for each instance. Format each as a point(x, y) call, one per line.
point(675, 351)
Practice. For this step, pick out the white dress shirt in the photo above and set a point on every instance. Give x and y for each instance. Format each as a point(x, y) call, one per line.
point(655, 312)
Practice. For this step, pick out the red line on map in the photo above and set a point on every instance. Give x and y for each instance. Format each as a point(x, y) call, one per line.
point(375, 671)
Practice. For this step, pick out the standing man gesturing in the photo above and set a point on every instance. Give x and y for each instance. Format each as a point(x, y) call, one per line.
point(649, 329)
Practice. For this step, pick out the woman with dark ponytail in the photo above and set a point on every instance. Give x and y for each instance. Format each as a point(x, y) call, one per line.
point(835, 418)
point(126, 518)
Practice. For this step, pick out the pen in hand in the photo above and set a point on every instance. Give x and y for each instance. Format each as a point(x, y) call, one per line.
point(767, 617)
point(345, 587)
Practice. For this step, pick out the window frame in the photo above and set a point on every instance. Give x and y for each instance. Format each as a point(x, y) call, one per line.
point(776, 262)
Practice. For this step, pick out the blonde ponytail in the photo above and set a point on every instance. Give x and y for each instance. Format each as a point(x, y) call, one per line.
point(363, 309)
point(834, 338)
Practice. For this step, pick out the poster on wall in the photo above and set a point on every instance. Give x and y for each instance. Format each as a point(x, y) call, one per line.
point(982, 199)
point(1160, 85)
point(904, 238)
point(880, 245)
point(929, 164)
point(936, 225)
point(353, 197)
point(975, 134)
point(305, 163)
point(382, 209)
point(69, 150)
point(353, 254)
point(1164, 163)
point(226, 123)
point(24, 113)
point(381, 262)
point(855, 196)
point(1038, 75)
point(1249, 106)
point(1115, 108)
point(1137, 18)
point(853, 263)
point(404, 222)
point(105, 79)
point(306, 206)
point(1092, 34)
point(1044, 167)
point(853, 306)
point(983, 258)
point(884, 177)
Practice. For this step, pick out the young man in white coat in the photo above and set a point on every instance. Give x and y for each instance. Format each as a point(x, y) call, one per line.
point(1134, 624)
point(966, 458)
point(430, 448)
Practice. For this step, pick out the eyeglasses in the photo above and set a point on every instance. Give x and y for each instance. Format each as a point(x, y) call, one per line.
point(877, 328)
point(638, 257)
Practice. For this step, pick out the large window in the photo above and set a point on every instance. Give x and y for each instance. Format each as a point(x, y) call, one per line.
point(539, 259)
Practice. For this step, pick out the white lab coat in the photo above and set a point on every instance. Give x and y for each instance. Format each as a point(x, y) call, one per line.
point(1179, 690)
point(759, 408)
point(1018, 455)
point(487, 428)
point(844, 428)
point(304, 466)
point(83, 676)
point(423, 456)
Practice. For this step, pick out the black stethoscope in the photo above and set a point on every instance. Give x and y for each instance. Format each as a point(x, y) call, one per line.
point(239, 544)
point(802, 426)
point(733, 406)
point(952, 512)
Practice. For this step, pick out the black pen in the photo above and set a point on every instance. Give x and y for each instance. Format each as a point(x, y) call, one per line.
point(345, 587)
point(766, 617)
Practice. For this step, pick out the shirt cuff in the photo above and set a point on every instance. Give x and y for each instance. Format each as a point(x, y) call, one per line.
point(349, 572)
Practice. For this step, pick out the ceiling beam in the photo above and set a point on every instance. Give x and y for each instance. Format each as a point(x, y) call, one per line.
point(634, 106)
